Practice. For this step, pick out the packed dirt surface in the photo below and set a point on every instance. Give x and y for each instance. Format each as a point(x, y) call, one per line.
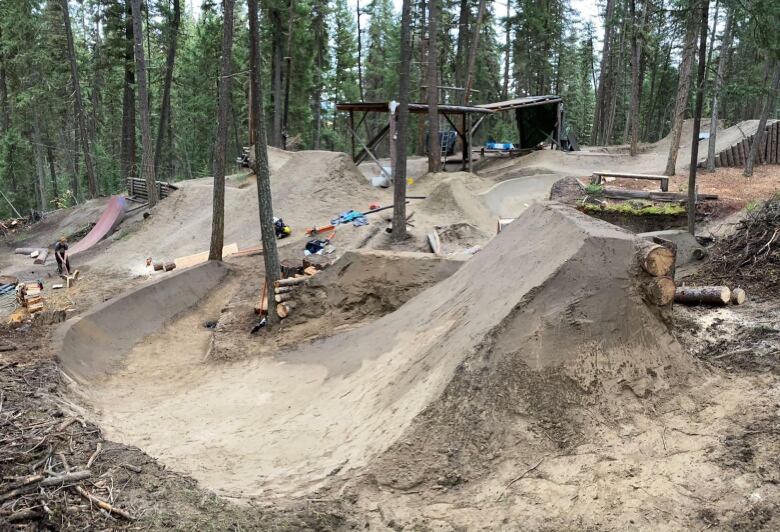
point(651, 159)
point(410, 375)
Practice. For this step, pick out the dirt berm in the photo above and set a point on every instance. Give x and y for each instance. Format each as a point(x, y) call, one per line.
point(545, 320)
point(97, 342)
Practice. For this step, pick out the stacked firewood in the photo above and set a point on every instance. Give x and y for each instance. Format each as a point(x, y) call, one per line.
point(294, 273)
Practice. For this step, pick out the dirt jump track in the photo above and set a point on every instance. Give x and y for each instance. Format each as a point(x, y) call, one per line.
point(523, 333)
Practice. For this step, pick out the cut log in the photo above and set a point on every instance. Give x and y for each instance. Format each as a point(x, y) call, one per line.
point(158, 266)
point(283, 309)
point(24, 251)
point(620, 193)
point(42, 255)
point(289, 282)
point(168, 266)
point(311, 270)
point(279, 298)
point(655, 259)
point(34, 254)
point(659, 290)
point(284, 289)
point(671, 246)
point(702, 295)
point(738, 296)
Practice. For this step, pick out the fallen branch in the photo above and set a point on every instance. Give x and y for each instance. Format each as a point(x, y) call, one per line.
point(517, 479)
point(103, 504)
point(94, 455)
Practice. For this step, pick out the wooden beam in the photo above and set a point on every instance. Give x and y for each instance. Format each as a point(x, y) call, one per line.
point(367, 150)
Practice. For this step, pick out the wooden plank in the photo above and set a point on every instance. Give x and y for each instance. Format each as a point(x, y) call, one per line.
point(197, 258)
point(773, 143)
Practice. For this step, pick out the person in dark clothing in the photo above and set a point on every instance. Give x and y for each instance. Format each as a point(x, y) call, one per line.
point(61, 254)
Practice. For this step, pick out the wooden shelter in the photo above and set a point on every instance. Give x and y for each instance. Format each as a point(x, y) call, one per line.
point(538, 117)
point(452, 113)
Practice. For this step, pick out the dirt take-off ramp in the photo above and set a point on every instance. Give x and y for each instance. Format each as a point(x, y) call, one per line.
point(551, 308)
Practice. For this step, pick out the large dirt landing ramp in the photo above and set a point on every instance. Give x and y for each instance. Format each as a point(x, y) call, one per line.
point(112, 215)
point(555, 293)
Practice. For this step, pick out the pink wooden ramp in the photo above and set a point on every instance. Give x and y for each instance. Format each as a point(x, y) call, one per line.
point(112, 215)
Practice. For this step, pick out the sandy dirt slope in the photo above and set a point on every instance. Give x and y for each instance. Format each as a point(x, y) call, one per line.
point(651, 159)
point(332, 407)
point(309, 188)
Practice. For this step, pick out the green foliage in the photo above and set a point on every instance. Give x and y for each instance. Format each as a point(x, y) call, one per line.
point(594, 189)
point(666, 209)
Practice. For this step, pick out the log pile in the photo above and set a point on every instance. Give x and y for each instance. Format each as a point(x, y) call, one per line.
point(294, 274)
point(30, 296)
point(656, 262)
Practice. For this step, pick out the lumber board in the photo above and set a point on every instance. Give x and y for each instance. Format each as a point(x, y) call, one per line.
point(664, 180)
point(198, 258)
point(773, 143)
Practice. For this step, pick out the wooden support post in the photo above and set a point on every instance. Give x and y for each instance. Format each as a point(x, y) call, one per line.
point(352, 130)
point(391, 125)
point(464, 142)
point(559, 113)
point(468, 143)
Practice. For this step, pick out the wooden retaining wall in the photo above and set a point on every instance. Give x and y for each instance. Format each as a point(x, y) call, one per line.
point(137, 188)
point(768, 152)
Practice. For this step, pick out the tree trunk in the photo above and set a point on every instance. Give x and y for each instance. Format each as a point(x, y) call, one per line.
point(359, 52)
point(473, 53)
point(722, 62)
point(637, 33)
point(147, 161)
point(40, 164)
point(268, 235)
point(220, 145)
point(507, 44)
point(127, 165)
point(697, 117)
point(320, 45)
point(165, 105)
point(82, 127)
point(52, 170)
point(434, 146)
point(597, 136)
point(462, 42)
point(769, 105)
point(277, 56)
point(288, 74)
point(681, 101)
point(402, 127)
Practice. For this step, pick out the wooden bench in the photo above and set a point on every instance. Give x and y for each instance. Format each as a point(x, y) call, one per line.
point(598, 178)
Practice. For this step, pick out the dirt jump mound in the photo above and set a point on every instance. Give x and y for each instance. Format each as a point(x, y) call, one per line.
point(526, 332)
